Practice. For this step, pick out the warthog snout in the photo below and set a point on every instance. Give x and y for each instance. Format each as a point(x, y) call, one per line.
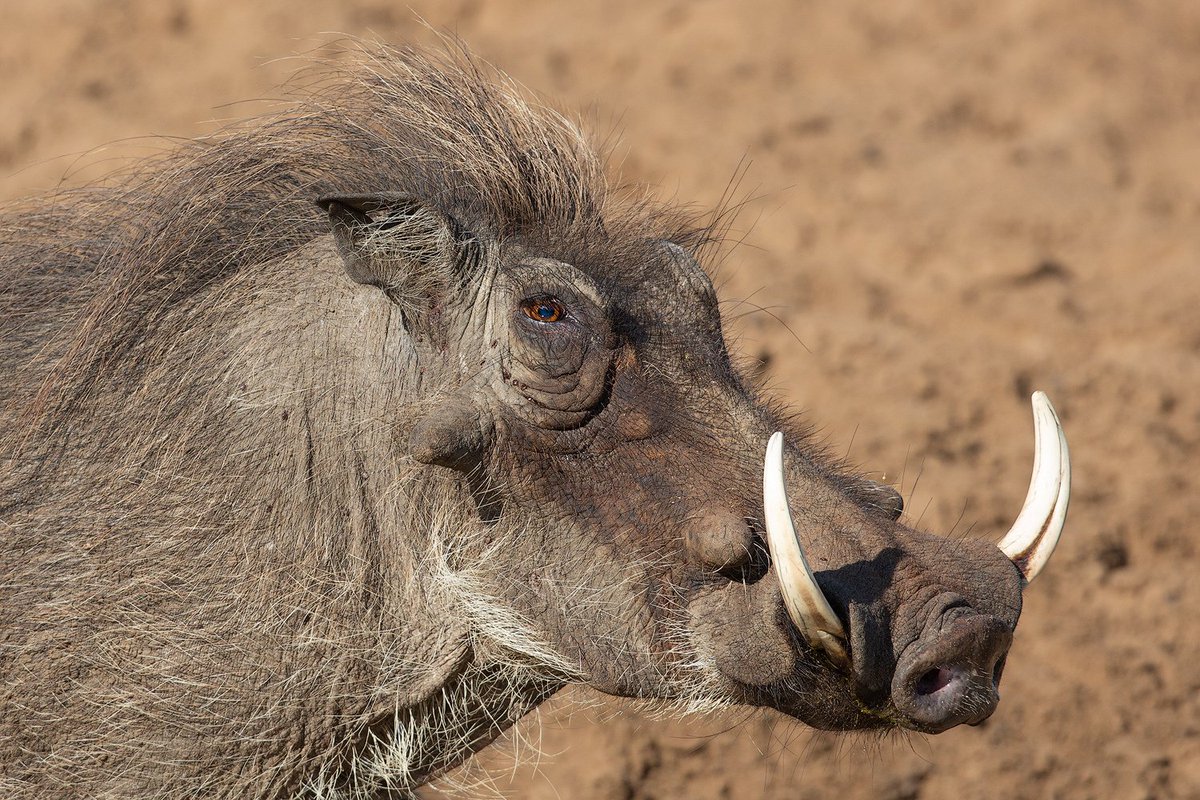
point(951, 677)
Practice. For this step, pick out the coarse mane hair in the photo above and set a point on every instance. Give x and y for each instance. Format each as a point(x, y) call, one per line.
point(87, 273)
point(191, 485)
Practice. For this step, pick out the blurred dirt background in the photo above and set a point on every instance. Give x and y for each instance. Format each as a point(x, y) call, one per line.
point(949, 204)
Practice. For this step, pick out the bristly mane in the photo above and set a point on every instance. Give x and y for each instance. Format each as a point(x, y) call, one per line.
point(165, 496)
point(87, 274)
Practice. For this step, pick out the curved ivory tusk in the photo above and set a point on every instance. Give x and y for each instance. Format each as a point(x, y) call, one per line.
point(805, 602)
point(1033, 537)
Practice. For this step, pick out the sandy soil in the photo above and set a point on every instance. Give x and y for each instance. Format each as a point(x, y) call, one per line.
point(949, 203)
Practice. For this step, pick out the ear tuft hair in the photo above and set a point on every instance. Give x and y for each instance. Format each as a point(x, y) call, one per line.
point(388, 238)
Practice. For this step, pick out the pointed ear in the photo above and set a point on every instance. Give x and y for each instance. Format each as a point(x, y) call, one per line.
point(391, 239)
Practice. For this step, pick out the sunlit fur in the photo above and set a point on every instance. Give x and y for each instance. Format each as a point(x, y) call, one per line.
point(220, 571)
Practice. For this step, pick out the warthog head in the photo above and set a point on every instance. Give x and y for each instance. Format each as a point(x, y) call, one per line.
point(333, 445)
point(590, 405)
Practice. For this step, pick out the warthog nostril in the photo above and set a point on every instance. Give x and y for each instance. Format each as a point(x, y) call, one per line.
point(934, 680)
point(949, 677)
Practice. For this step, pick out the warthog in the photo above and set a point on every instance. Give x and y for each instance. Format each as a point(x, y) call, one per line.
point(336, 443)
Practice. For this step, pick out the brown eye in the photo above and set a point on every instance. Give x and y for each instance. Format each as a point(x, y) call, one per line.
point(543, 309)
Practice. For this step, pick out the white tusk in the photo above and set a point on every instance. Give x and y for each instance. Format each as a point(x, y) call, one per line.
point(805, 602)
point(1033, 537)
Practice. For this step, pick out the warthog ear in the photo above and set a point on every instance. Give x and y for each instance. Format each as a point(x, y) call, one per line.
point(393, 240)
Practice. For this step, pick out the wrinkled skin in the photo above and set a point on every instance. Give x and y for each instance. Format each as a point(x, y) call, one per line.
point(312, 489)
point(627, 443)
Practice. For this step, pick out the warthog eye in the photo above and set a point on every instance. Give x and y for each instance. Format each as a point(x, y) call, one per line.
point(543, 309)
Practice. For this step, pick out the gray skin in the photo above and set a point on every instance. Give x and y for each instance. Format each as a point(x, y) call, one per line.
point(313, 481)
